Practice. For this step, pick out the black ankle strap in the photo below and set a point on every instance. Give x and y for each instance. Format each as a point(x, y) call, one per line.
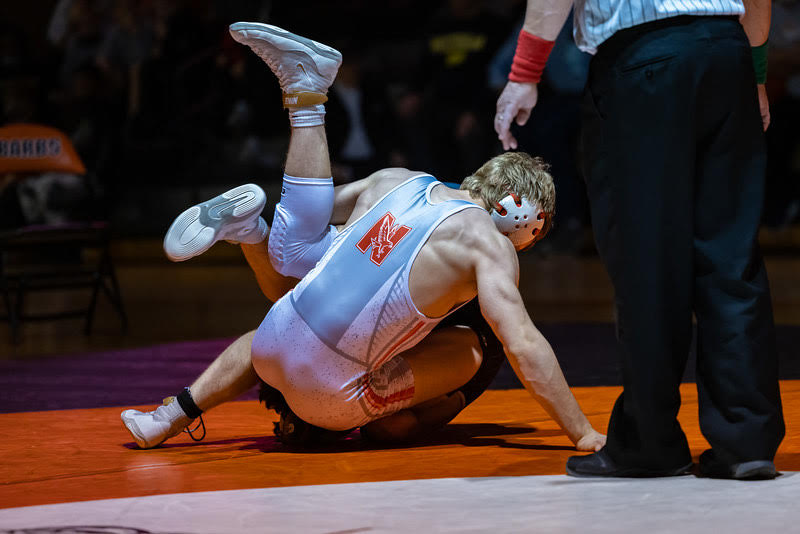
point(187, 404)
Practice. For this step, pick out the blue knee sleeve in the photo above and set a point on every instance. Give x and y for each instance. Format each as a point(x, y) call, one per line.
point(300, 232)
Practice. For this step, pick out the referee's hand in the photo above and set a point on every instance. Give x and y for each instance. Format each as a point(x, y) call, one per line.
point(515, 103)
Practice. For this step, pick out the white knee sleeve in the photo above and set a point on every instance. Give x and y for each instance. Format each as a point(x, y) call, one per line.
point(300, 232)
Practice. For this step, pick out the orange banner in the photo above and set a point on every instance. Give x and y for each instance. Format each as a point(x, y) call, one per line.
point(36, 148)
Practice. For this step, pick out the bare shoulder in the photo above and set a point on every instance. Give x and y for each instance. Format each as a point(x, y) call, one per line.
point(479, 229)
point(478, 238)
point(394, 173)
point(381, 182)
point(391, 176)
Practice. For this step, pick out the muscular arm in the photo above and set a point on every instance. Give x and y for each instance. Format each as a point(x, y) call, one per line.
point(544, 19)
point(527, 350)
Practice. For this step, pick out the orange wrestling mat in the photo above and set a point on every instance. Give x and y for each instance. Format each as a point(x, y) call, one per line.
point(79, 455)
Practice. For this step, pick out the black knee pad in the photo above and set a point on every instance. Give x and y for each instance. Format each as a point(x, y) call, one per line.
point(470, 316)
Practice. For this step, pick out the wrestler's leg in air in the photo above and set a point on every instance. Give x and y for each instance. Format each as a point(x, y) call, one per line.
point(273, 284)
point(301, 230)
point(307, 157)
point(235, 216)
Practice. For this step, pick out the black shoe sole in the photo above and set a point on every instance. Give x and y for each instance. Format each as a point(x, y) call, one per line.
point(755, 470)
point(633, 472)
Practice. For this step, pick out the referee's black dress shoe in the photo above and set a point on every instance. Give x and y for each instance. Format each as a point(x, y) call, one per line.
point(600, 464)
point(712, 467)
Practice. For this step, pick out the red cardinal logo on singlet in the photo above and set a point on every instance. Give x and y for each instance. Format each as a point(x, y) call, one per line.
point(382, 238)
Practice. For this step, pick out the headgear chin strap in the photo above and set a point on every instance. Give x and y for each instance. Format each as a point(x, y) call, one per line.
point(519, 220)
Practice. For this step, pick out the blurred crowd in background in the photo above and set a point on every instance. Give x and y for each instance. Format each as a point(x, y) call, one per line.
point(158, 98)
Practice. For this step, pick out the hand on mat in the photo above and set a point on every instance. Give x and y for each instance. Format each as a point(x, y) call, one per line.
point(515, 102)
point(591, 441)
point(763, 105)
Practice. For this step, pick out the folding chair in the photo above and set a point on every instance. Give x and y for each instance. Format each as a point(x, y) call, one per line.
point(56, 257)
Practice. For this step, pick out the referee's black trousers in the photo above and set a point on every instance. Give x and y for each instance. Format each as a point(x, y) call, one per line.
point(674, 159)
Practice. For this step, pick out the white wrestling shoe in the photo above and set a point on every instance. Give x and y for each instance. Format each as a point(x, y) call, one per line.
point(151, 429)
point(232, 216)
point(305, 68)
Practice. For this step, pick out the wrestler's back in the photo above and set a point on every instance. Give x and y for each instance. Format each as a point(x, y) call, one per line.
point(442, 275)
point(364, 278)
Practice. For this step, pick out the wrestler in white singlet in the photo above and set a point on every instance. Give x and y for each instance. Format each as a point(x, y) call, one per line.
point(331, 345)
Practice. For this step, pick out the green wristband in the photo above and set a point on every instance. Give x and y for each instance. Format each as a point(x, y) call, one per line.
point(760, 62)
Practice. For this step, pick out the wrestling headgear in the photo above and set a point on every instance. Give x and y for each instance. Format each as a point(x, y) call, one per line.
point(519, 220)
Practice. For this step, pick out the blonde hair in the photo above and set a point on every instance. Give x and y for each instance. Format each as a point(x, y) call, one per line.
point(515, 172)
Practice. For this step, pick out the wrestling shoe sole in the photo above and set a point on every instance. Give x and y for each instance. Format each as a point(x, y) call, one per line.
point(281, 39)
point(195, 230)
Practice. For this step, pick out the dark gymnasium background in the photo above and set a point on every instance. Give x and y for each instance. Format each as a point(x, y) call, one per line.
point(163, 110)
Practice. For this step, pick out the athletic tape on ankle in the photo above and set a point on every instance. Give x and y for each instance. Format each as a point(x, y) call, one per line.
point(188, 406)
point(530, 58)
point(307, 116)
point(302, 100)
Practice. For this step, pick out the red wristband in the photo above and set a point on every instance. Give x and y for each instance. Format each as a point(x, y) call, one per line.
point(530, 58)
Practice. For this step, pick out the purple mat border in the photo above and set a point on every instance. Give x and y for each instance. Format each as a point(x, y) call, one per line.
point(122, 377)
point(145, 375)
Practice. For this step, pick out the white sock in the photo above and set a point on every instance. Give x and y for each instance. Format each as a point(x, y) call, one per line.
point(307, 116)
point(297, 180)
point(255, 235)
